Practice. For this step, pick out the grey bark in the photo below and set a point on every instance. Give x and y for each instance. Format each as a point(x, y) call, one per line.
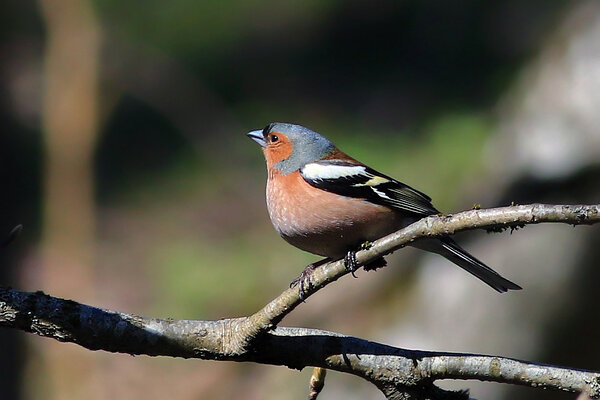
point(398, 373)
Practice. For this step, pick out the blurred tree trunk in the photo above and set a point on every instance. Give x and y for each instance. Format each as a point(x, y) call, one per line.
point(70, 123)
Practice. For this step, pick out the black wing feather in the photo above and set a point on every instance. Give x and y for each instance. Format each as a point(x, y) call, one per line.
point(388, 192)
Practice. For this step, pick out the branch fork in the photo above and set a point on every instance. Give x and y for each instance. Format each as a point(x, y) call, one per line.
point(398, 373)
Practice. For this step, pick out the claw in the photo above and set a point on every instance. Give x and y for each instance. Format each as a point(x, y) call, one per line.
point(350, 262)
point(303, 280)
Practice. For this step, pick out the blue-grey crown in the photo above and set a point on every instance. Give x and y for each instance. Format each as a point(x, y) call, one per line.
point(308, 145)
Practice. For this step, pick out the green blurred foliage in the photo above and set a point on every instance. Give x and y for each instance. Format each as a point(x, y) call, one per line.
point(208, 27)
point(192, 269)
point(404, 87)
point(407, 87)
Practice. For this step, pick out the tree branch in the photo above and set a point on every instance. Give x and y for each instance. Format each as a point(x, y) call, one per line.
point(494, 220)
point(398, 373)
point(391, 369)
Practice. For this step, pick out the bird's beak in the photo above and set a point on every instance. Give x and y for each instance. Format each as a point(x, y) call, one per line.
point(258, 137)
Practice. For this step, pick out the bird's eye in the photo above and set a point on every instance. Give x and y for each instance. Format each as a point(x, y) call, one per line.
point(273, 138)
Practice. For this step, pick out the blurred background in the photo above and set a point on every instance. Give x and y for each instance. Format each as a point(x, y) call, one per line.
point(122, 151)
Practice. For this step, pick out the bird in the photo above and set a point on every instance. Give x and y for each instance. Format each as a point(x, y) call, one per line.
point(325, 202)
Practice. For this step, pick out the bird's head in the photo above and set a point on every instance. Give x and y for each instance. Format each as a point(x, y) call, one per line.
point(289, 147)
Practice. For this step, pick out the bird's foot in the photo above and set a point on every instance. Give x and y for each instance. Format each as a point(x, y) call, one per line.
point(350, 262)
point(375, 264)
point(303, 280)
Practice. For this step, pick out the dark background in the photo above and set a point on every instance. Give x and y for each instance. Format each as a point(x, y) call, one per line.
point(122, 151)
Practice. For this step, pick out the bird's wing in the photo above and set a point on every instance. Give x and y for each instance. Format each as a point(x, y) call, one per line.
point(352, 179)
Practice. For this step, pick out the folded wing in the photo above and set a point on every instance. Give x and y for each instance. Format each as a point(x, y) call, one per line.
point(352, 179)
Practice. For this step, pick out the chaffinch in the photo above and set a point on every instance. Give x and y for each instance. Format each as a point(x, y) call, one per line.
point(327, 203)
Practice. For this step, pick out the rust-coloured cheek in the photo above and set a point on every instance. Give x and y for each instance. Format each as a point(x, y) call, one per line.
point(277, 152)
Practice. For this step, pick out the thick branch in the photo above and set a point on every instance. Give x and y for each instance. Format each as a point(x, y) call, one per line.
point(397, 372)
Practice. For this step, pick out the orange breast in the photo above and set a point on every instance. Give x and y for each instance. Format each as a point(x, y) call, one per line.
point(325, 223)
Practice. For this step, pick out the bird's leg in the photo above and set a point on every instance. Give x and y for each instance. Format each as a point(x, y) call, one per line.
point(352, 265)
point(350, 262)
point(303, 280)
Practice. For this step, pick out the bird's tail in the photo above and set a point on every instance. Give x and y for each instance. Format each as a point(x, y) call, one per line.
point(450, 250)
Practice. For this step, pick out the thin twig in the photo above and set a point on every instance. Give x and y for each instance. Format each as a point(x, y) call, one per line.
point(317, 381)
point(12, 235)
point(434, 226)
